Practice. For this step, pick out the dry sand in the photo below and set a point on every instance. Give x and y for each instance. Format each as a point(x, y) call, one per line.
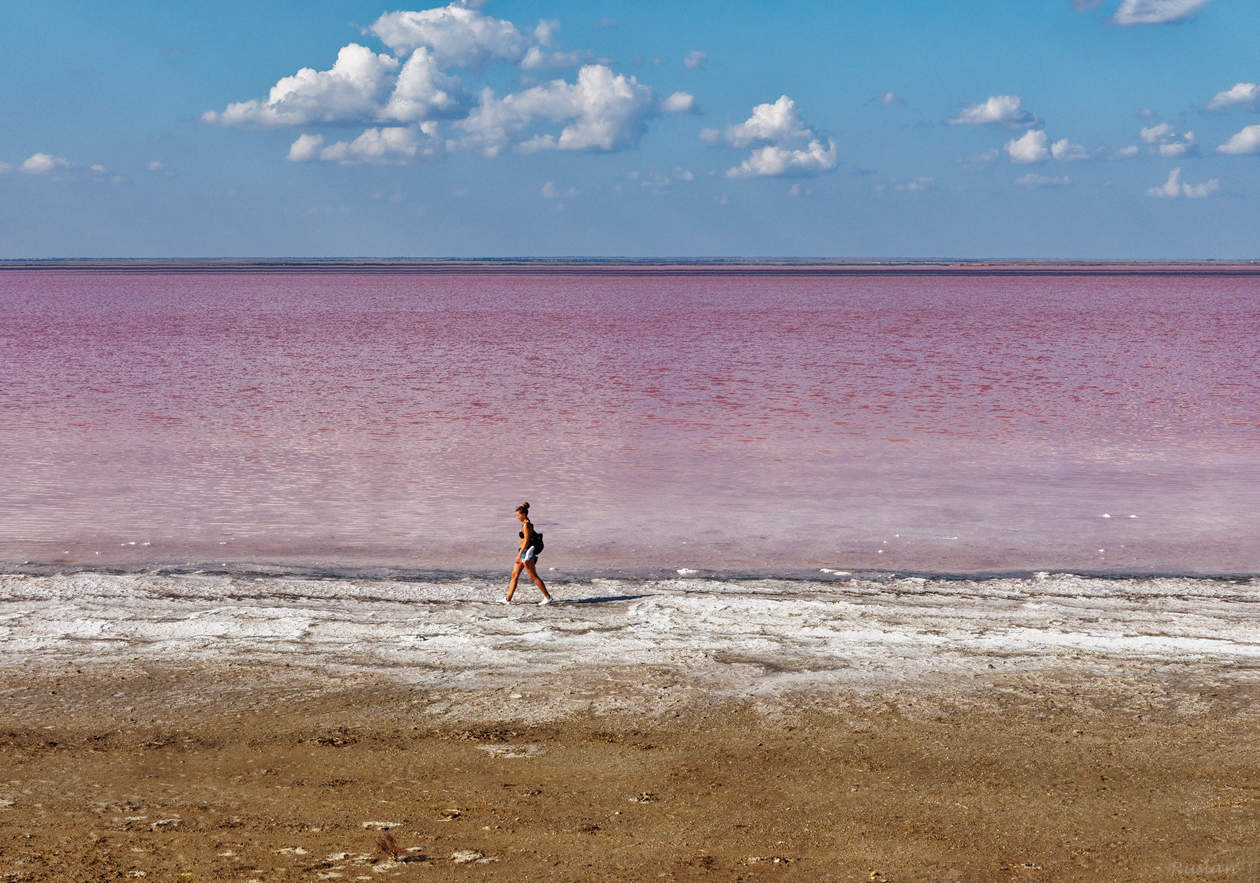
point(249, 771)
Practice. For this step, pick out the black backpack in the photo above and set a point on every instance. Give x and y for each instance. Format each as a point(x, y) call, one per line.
point(537, 544)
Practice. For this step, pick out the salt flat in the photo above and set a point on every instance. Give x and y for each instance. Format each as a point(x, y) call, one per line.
point(761, 638)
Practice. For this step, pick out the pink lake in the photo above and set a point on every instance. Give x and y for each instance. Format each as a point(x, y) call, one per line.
point(740, 423)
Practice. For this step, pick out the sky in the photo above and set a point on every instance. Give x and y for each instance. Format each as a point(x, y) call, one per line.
point(1037, 129)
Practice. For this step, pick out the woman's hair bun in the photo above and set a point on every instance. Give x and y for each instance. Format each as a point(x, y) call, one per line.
point(523, 508)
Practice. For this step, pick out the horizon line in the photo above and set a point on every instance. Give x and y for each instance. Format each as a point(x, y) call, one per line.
point(639, 266)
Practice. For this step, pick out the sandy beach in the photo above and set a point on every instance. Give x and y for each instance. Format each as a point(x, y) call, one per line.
point(244, 772)
point(234, 728)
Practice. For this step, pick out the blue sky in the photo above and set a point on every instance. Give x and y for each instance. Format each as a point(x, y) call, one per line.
point(991, 129)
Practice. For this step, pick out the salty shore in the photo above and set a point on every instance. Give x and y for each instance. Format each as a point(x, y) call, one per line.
point(270, 728)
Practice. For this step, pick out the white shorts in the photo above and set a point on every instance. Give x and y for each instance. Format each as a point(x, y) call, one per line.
point(529, 554)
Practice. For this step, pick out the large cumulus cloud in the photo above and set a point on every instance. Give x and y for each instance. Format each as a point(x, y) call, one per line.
point(403, 94)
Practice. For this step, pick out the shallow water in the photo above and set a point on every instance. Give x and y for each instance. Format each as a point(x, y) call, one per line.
point(735, 423)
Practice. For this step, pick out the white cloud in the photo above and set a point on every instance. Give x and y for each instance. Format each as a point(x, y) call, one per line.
point(889, 97)
point(1177, 148)
point(1066, 151)
point(1154, 12)
point(416, 86)
point(1031, 147)
point(1207, 188)
point(155, 165)
point(537, 58)
point(1166, 141)
point(681, 174)
point(679, 102)
point(386, 146)
point(5, 168)
point(422, 90)
point(456, 35)
point(1033, 181)
point(710, 136)
point(305, 148)
point(1127, 152)
point(1243, 142)
point(1034, 146)
point(773, 160)
point(545, 32)
point(1247, 94)
point(395, 145)
point(1174, 188)
point(43, 163)
point(603, 111)
point(769, 123)
point(695, 59)
point(546, 55)
point(98, 168)
point(784, 144)
point(350, 91)
point(997, 109)
point(1154, 134)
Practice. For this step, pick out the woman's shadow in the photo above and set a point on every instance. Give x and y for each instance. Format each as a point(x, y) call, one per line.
point(606, 599)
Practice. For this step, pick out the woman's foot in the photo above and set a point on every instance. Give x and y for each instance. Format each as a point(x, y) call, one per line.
point(504, 601)
point(544, 602)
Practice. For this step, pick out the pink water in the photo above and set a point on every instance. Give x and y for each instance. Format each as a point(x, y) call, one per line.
point(732, 422)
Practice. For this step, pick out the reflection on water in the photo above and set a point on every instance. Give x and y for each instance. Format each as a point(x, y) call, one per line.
point(728, 422)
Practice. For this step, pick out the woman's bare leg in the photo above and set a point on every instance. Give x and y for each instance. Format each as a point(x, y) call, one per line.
point(533, 574)
point(516, 574)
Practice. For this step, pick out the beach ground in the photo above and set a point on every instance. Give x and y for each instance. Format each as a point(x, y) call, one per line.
point(246, 772)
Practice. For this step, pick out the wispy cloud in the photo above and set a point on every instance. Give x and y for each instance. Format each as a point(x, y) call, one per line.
point(914, 185)
point(1156, 12)
point(1033, 181)
point(550, 191)
point(1175, 188)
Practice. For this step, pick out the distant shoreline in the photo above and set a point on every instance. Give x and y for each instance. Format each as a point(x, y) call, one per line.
point(645, 267)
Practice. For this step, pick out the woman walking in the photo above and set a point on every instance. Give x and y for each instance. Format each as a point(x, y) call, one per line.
point(527, 557)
